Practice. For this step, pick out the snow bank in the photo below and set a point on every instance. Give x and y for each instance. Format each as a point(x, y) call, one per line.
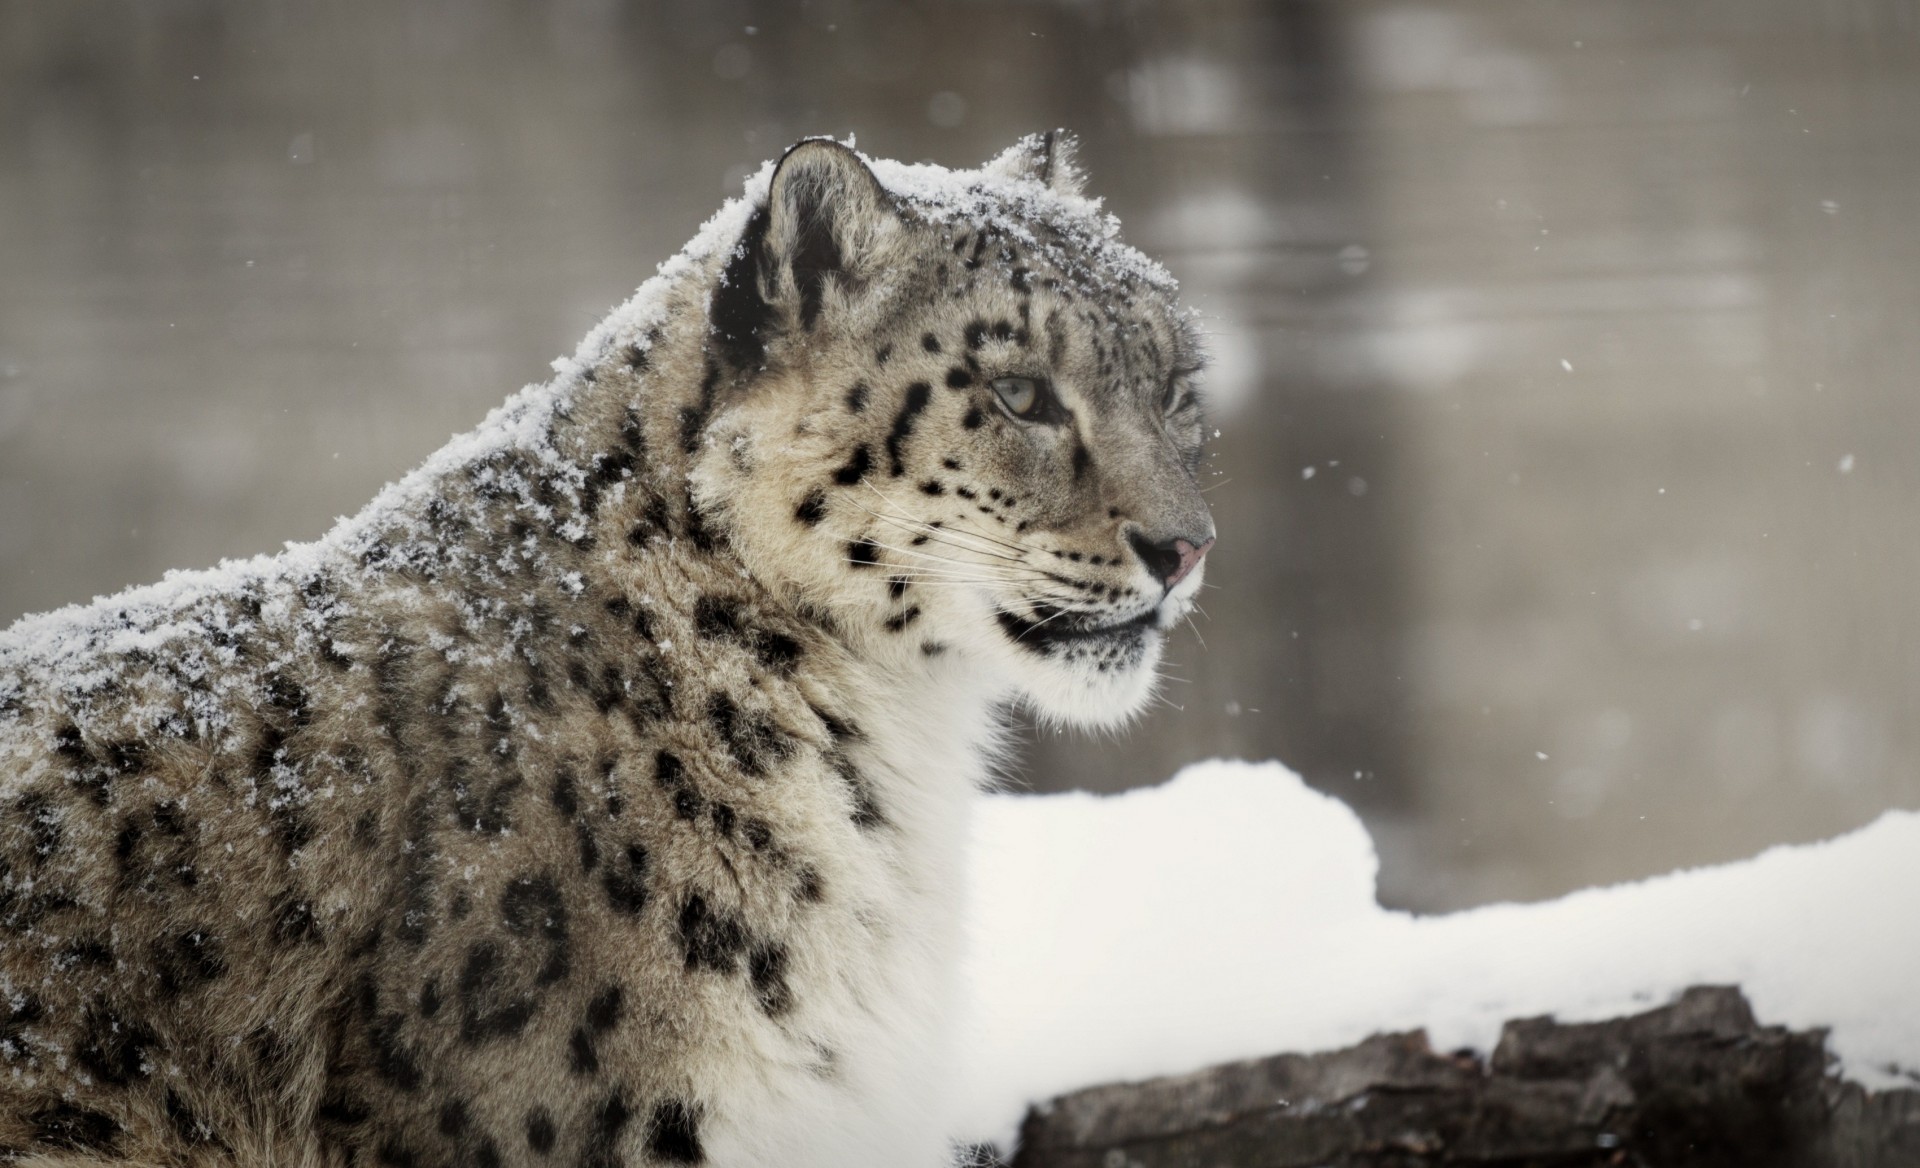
point(1230, 914)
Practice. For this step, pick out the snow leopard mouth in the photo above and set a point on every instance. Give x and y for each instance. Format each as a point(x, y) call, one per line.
point(1052, 632)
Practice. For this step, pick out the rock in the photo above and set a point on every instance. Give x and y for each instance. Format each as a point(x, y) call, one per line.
point(1696, 1084)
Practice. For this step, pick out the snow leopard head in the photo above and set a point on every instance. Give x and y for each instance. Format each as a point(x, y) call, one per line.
point(963, 421)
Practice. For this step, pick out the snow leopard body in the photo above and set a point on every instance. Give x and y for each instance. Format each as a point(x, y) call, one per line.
point(597, 795)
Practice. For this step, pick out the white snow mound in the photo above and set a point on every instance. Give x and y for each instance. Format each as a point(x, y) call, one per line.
point(1230, 914)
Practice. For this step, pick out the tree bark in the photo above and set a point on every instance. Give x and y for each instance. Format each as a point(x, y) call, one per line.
point(1696, 1084)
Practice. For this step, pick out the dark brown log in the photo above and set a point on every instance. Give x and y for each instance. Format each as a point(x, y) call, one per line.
point(1696, 1084)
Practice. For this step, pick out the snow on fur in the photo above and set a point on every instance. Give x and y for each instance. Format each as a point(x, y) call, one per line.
point(144, 616)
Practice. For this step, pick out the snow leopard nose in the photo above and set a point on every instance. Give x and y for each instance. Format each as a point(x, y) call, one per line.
point(1169, 560)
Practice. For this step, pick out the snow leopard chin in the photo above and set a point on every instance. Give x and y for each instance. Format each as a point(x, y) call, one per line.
point(1096, 681)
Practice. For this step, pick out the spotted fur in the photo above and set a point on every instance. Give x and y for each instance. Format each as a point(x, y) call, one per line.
point(597, 796)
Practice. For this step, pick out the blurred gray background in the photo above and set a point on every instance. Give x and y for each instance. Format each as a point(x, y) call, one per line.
point(1567, 477)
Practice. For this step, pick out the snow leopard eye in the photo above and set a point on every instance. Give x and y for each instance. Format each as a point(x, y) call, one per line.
point(1027, 399)
point(1178, 394)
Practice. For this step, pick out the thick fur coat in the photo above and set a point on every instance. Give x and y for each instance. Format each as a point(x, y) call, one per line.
point(597, 795)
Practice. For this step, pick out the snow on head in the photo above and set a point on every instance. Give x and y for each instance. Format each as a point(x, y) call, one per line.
point(1023, 208)
point(1230, 914)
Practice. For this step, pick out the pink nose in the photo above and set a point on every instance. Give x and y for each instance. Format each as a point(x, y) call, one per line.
point(1170, 559)
point(1190, 558)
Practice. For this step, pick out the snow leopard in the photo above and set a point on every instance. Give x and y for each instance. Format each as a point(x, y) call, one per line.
point(598, 795)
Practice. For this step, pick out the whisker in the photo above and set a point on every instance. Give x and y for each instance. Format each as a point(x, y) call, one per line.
point(911, 577)
point(922, 538)
point(1011, 573)
point(1005, 570)
point(988, 537)
point(1058, 613)
point(1196, 632)
point(979, 535)
point(957, 584)
point(917, 550)
point(933, 534)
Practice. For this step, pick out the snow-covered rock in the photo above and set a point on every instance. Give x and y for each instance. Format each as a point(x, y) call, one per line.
point(1230, 913)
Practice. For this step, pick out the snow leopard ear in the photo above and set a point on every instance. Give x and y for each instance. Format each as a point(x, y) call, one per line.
point(824, 218)
point(1043, 158)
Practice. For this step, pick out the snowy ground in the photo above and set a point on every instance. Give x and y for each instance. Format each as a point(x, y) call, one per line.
point(1230, 913)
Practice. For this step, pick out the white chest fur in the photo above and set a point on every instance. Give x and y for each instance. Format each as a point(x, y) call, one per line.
point(860, 1073)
